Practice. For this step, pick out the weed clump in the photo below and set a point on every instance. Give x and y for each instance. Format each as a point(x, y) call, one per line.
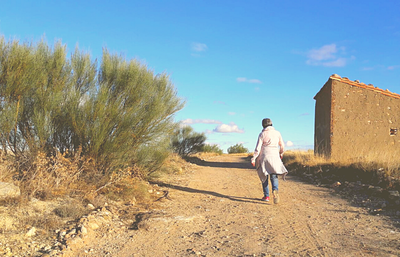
point(382, 172)
point(72, 211)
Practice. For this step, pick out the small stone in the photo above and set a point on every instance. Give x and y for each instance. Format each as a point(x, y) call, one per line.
point(72, 231)
point(394, 194)
point(93, 225)
point(83, 230)
point(91, 206)
point(31, 232)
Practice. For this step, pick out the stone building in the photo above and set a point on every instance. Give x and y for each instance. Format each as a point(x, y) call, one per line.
point(355, 121)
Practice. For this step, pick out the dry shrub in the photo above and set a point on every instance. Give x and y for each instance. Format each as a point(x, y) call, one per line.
point(119, 177)
point(47, 177)
point(141, 191)
point(126, 185)
point(174, 164)
point(97, 200)
point(46, 222)
point(371, 161)
point(306, 158)
point(13, 201)
point(386, 161)
point(128, 189)
point(73, 211)
point(52, 176)
point(58, 176)
point(377, 168)
point(7, 168)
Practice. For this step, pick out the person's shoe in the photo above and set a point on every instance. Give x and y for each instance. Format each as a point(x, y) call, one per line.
point(276, 197)
point(265, 198)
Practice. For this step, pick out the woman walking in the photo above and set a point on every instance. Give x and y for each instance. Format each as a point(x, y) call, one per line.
point(267, 158)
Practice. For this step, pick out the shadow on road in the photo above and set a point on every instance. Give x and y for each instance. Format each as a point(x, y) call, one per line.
point(199, 191)
point(243, 164)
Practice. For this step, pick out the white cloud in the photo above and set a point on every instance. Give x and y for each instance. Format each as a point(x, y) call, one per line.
point(199, 47)
point(256, 81)
point(219, 102)
point(381, 67)
point(328, 56)
point(340, 62)
point(326, 52)
point(289, 143)
point(253, 81)
point(393, 67)
point(228, 128)
point(204, 121)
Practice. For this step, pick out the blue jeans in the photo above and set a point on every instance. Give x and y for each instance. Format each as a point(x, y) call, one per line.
point(274, 183)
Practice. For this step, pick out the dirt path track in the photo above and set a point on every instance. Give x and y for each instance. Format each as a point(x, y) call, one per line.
point(216, 211)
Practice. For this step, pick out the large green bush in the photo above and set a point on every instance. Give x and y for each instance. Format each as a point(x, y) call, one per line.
point(238, 148)
point(110, 111)
point(211, 149)
point(186, 141)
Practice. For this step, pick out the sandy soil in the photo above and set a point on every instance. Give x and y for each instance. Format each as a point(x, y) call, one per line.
point(216, 211)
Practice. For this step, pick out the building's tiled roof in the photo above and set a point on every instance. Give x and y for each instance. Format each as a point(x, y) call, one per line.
point(363, 85)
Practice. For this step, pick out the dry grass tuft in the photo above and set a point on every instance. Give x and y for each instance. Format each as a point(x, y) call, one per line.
point(306, 158)
point(370, 162)
point(7, 222)
point(13, 201)
point(7, 168)
point(46, 222)
point(386, 161)
point(72, 211)
point(379, 169)
point(52, 176)
point(127, 189)
point(174, 164)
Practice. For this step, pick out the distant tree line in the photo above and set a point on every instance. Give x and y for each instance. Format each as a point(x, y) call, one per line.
point(238, 148)
point(186, 141)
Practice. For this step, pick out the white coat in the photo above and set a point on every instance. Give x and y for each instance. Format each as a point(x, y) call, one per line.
point(267, 155)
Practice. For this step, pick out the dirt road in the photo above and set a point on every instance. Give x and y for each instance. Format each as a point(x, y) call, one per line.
point(216, 211)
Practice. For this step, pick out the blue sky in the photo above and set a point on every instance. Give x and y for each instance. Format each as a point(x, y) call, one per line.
point(234, 62)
